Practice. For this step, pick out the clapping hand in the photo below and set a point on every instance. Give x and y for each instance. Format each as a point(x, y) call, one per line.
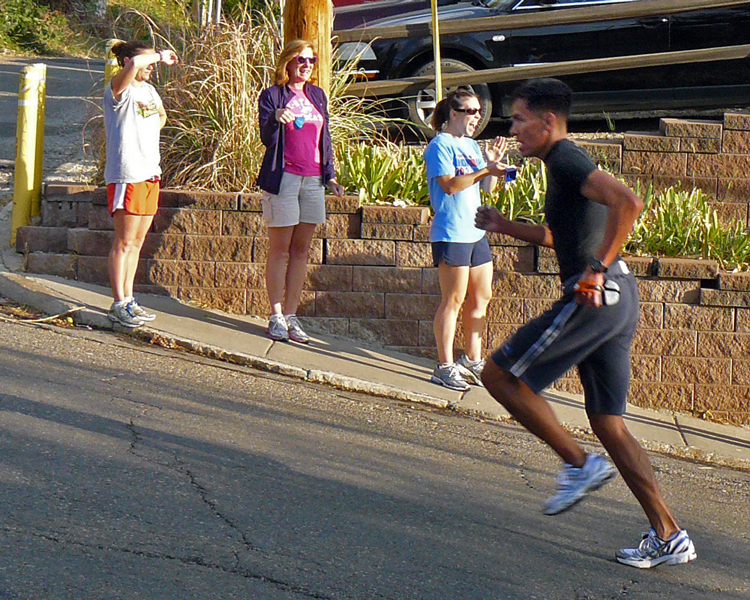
point(495, 149)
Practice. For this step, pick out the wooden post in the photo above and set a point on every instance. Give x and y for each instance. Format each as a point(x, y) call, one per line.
point(312, 20)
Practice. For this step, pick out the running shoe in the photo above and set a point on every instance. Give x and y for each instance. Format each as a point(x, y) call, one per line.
point(471, 370)
point(449, 376)
point(653, 551)
point(574, 483)
point(140, 312)
point(277, 328)
point(296, 333)
point(124, 315)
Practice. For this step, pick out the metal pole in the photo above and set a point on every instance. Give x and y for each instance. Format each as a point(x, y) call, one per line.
point(110, 62)
point(436, 51)
point(26, 136)
point(36, 193)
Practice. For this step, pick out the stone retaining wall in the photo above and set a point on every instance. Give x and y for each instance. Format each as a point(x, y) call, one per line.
point(371, 276)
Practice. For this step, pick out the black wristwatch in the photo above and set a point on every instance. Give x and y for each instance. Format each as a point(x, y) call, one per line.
point(598, 266)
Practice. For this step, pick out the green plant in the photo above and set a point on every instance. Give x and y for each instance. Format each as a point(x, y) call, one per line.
point(27, 27)
point(524, 198)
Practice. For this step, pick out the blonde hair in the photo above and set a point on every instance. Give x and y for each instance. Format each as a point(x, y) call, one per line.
point(290, 51)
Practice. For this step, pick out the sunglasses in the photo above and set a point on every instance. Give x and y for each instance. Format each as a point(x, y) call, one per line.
point(468, 111)
point(301, 60)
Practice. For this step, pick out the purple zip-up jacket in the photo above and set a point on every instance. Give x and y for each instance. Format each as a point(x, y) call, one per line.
point(272, 134)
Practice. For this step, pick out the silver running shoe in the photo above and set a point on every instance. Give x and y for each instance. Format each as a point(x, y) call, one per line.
point(140, 312)
point(449, 377)
point(574, 483)
point(470, 370)
point(653, 551)
point(277, 328)
point(123, 315)
point(296, 333)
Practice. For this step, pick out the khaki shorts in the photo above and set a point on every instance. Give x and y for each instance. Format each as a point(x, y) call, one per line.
point(300, 200)
point(140, 198)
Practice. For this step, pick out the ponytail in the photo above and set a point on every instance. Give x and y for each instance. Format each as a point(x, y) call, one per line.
point(123, 50)
point(442, 113)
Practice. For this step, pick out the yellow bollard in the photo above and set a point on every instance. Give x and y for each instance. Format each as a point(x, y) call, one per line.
point(110, 62)
point(36, 194)
point(26, 140)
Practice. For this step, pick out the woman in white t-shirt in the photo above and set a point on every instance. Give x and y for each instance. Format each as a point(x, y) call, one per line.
point(133, 118)
point(456, 169)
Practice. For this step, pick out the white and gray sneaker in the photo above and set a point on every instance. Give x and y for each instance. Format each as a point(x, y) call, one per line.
point(574, 483)
point(278, 329)
point(471, 370)
point(653, 551)
point(124, 315)
point(140, 312)
point(449, 376)
point(296, 333)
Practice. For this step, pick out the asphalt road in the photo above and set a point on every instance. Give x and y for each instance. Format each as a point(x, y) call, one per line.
point(136, 472)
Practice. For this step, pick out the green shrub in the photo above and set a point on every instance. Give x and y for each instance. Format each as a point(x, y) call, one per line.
point(524, 198)
point(27, 27)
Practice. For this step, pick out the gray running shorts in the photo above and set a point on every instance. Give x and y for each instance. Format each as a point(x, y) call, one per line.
point(596, 340)
point(300, 200)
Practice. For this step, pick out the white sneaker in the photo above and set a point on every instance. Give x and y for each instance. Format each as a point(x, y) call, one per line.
point(574, 483)
point(653, 551)
point(296, 333)
point(471, 370)
point(449, 377)
point(124, 315)
point(277, 328)
point(139, 311)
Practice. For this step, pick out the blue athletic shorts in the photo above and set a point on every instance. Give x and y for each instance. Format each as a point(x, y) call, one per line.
point(596, 340)
point(457, 254)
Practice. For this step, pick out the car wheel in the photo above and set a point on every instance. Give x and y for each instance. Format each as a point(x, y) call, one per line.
point(422, 105)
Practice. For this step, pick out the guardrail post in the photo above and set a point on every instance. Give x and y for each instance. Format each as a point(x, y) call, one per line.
point(110, 62)
point(27, 182)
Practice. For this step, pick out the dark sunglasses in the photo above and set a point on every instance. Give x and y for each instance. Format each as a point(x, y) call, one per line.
point(468, 111)
point(301, 60)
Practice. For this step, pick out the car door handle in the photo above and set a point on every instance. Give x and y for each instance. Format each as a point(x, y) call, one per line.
point(653, 23)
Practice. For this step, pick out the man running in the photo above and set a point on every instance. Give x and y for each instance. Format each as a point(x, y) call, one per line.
point(589, 216)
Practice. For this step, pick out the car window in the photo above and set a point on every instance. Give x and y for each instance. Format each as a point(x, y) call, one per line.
point(535, 4)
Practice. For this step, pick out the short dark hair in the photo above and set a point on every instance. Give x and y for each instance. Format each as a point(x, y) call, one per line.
point(545, 95)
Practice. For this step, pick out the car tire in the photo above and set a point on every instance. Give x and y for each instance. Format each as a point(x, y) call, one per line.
point(421, 106)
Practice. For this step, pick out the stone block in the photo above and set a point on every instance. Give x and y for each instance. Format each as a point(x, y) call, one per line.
point(718, 345)
point(515, 285)
point(195, 273)
point(237, 275)
point(720, 165)
point(687, 268)
point(260, 251)
point(568, 385)
point(547, 265)
point(199, 200)
point(387, 231)
point(360, 252)
point(90, 243)
point(327, 326)
point(185, 220)
point(642, 142)
point(146, 288)
point(739, 282)
point(347, 204)
point(94, 269)
point(410, 254)
point(732, 402)
point(62, 265)
point(700, 145)
point(690, 128)
point(736, 142)
point(651, 315)
point(724, 298)
point(247, 224)
point(218, 248)
point(497, 333)
point(696, 370)
point(430, 281)
point(257, 303)
point(33, 238)
point(658, 342)
point(250, 202)
point(535, 307)
point(410, 215)
point(733, 189)
point(385, 331)
point(514, 258)
point(654, 290)
point(341, 226)
point(350, 304)
point(330, 278)
point(421, 233)
point(743, 320)
point(162, 245)
point(506, 310)
point(640, 266)
point(386, 279)
point(662, 396)
point(66, 211)
point(647, 163)
point(698, 318)
point(99, 218)
point(602, 150)
point(74, 191)
point(737, 120)
point(741, 371)
point(645, 368)
point(411, 306)
point(498, 239)
point(730, 213)
point(230, 300)
point(165, 273)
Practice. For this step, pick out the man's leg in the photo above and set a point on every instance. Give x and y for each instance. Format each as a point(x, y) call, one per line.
point(633, 464)
point(532, 411)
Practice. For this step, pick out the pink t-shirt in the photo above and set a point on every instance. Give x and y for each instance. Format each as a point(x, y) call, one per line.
point(302, 143)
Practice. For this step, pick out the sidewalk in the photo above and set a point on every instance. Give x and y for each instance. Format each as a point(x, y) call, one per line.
point(342, 363)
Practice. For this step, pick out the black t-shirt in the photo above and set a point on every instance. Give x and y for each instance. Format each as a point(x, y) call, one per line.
point(577, 223)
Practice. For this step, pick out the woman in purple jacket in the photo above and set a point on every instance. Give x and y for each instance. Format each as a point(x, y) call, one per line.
point(296, 167)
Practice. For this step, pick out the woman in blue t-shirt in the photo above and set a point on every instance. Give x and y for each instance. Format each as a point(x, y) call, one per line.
point(455, 171)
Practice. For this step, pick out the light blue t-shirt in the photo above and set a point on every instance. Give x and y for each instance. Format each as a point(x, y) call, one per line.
point(454, 214)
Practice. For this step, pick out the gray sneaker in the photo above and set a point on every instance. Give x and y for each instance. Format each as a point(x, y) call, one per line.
point(140, 312)
point(296, 333)
point(449, 377)
point(277, 328)
point(471, 370)
point(574, 483)
point(124, 315)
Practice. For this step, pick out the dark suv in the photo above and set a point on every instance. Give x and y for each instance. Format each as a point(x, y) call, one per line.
point(688, 87)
